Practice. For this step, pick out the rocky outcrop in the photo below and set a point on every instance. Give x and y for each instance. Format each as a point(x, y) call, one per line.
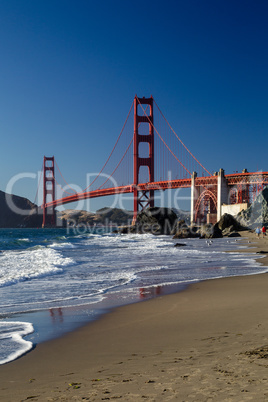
point(207, 231)
point(210, 231)
point(257, 213)
point(156, 220)
point(228, 221)
point(227, 226)
point(184, 231)
point(180, 245)
point(153, 220)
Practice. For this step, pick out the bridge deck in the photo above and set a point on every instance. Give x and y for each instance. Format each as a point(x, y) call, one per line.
point(232, 179)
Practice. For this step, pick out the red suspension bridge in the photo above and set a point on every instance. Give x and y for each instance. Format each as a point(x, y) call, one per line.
point(149, 156)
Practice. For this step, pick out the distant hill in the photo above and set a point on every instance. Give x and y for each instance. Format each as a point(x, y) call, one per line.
point(103, 216)
point(107, 216)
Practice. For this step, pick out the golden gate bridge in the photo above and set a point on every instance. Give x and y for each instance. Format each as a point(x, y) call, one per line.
point(149, 156)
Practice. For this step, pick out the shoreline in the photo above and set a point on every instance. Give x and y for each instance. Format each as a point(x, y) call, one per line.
point(54, 322)
point(189, 345)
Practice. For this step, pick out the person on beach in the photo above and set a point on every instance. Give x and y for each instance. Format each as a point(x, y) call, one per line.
point(258, 231)
point(263, 231)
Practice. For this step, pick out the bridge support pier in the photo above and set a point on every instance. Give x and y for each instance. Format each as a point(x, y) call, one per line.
point(49, 215)
point(222, 193)
point(193, 197)
point(143, 199)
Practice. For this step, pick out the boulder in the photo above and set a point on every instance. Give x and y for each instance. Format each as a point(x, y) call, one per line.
point(209, 231)
point(183, 231)
point(122, 229)
point(230, 232)
point(180, 245)
point(156, 221)
point(234, 234)
point(228, 221)
point(179, 225)
point(227, 226)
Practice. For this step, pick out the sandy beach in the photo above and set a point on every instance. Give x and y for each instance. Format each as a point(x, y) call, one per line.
point(208, 343)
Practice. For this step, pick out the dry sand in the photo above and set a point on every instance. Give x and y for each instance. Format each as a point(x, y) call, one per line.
point(208, 343)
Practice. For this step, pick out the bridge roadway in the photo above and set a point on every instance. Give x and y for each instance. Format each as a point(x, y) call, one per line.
point(232, 180)
point(160, 185)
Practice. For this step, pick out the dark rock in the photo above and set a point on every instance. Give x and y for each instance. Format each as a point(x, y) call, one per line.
point(183, 231)
point(155, 220)
point(210, 231)
point(234, 234)
point(227, 226)
point(182, 215)
point(123, 229)
point(180, 245)
point(216, 231)
point(180, 224)
point(16, 211)
point(195, 229)
point(228, 221)
point(228, 231)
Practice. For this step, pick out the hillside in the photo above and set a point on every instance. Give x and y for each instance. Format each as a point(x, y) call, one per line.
point(16, 211)
point(103, 216)
point(107, 216)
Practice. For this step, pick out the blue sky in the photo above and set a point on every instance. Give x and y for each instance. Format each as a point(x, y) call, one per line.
point(69, 71)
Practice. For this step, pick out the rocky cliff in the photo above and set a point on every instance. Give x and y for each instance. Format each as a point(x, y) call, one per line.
point(153, 220)
point(16, 211)
point(257, 213)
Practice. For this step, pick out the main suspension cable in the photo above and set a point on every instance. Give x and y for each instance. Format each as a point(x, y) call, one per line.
point(112, 149)
point(181, 140)
point(163, 140)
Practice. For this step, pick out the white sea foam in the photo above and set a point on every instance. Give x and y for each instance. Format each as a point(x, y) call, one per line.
point(62, 245)
point(18, 266)
point(12, 344)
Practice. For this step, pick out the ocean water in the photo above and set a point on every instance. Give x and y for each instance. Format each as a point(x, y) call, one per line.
point(52, 281)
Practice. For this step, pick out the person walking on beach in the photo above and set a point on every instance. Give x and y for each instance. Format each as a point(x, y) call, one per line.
point(258, 231)
point(263, 231)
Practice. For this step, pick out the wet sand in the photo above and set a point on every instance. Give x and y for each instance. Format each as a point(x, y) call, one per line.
point(208, 343)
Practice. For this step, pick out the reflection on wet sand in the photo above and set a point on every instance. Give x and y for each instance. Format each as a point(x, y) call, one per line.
point(150, 292)
point(56, 315)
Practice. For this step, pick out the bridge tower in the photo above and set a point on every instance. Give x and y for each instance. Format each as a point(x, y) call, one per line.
point(49, 216)
point(143, 199)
